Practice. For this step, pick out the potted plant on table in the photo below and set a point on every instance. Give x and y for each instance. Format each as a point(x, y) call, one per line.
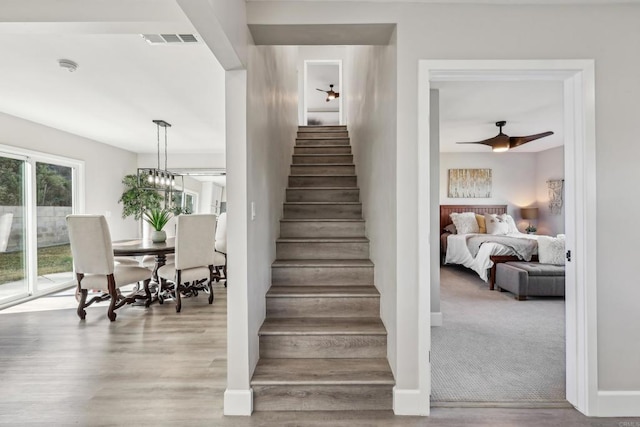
point(157, 218)
point(531, 229)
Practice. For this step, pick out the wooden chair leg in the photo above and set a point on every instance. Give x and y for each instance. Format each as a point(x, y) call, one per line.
point(178, 299)
point(113, 292)
point(81, 295)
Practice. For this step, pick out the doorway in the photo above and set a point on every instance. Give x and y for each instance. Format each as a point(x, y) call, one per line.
point(322, 103)
point(578, 82)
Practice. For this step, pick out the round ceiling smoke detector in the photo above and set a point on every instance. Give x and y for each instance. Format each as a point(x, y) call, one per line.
point(68, 65)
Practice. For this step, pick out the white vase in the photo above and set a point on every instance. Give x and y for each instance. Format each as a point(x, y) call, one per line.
point(158, 236)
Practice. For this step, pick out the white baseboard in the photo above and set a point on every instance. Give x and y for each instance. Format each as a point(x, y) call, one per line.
point(618, 404)
point(436, 318)
point(410, 402)
point(238, 402)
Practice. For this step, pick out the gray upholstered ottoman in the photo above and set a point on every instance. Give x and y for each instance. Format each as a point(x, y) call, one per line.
point(531, 279)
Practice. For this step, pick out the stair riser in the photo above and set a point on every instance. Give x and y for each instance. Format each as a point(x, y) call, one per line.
point(322, 229)
point(307, 160)
point(322, 250)
point(288, 397)
point(326, 134)
point(323, 307)
point(322, 195)
point(323, 181)
point(323, 169)
point(323, 346)
point(338, 149)
point(323, 211)
point(322, 128)
point(337, 276)
point(325, 141)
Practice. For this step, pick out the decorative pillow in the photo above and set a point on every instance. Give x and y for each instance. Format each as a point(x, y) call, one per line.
point(465, 222)
point(482, 225)
point(496, 224)
point(451, 229)
point(551, 250)
point(511, 223)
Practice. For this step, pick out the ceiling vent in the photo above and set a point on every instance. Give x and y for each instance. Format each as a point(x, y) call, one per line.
point(169, 38)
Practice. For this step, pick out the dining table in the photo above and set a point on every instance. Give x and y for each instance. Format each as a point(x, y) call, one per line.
point(141, 247)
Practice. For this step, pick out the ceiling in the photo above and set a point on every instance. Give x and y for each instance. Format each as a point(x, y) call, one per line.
point(469, 110)
point(122, 83)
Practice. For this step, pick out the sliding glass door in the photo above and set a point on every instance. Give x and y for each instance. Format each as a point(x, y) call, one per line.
point(13, 236)
point(37, 192)
point(54, 201)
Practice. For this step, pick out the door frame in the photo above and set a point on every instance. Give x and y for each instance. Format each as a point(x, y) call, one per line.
point(578, 78)
point(337, 62)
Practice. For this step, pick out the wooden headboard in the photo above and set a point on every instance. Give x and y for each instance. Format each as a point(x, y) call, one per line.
point(445, 210)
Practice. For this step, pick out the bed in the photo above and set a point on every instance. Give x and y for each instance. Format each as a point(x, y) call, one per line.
point(454, 250)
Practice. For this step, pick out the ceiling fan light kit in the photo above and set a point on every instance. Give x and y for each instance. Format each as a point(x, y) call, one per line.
point(501, 142)
point(331, 94)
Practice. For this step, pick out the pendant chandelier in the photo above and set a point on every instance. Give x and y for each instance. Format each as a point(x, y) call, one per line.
point(158, 178)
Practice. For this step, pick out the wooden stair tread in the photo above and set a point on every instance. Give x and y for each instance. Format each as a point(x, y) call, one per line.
point(315, 165)
point(322, 372)
point(322, 291)
point(322, 240)
point(322, 203)
point(325, 176)
point(323, 188)
point(279, 263)
point(322, 326)
point(321, 219)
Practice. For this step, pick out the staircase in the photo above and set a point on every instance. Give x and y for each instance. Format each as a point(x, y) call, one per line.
point(322, 344)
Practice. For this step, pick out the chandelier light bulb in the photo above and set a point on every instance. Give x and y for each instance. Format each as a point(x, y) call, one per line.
point(150, 178)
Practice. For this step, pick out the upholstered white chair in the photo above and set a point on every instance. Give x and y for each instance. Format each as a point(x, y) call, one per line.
point(193, 269)
point(220, 263)
point(95, 267)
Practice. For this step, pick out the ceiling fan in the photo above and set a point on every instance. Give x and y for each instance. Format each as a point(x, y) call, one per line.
point(330, 93)
point(502, 142)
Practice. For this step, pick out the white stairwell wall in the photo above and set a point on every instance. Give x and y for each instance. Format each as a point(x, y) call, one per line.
point(271, 131)
point(370, 100)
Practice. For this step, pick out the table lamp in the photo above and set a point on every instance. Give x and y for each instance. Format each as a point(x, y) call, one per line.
point(529, 214)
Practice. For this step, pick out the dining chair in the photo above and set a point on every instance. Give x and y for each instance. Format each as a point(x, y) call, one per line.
point(221, 247)
point(193, 269)
point(95, 267)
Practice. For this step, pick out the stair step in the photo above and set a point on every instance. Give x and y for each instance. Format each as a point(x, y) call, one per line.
point(302, 159)
point(307, 134)
point(323, 248)
point(323, 194)
point(321, 141)
point(348, 272)
point(313, 228)
point(322, 384)
point(323, 169)
point(320, 210)
point(323, 181)
point(321, 128)
point(323, 301)
point(322, 372)
point(319, 326)
point(322, 149)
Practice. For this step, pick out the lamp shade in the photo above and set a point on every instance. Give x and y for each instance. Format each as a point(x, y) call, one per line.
point(529, 213)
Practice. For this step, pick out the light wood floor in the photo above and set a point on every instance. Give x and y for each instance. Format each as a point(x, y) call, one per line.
point(153, 367)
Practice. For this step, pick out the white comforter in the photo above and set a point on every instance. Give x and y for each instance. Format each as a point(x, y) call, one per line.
point(458, 253)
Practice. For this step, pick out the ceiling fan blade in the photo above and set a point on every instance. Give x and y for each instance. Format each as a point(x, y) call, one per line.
point(490, 142)
point(516, 141)
point(325, 91)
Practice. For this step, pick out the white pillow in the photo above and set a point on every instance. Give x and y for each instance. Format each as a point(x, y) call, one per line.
point(511, 223)
point(465, 222)
point(551, 250)
point(496, 224)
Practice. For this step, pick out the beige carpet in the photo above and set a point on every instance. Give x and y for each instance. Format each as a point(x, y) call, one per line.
point(492, 348)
